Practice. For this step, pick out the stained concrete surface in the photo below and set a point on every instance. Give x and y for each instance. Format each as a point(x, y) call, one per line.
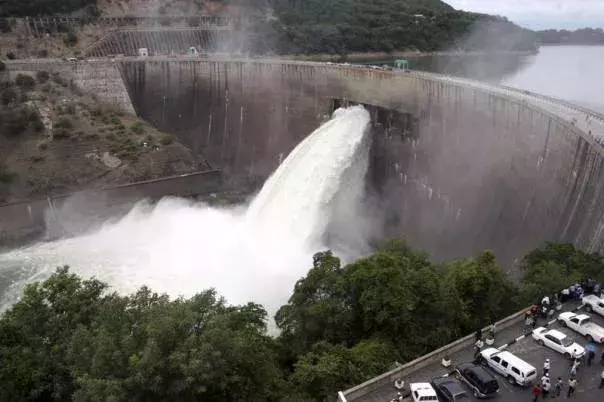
point(528, 350)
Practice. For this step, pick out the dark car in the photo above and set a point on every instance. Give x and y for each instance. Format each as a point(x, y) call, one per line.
point(449, 389)
point(482, 383)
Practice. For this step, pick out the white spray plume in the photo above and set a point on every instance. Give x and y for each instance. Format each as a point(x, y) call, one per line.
point(248, 254)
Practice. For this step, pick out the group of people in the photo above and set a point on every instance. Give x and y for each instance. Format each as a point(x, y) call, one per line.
point(545, 387)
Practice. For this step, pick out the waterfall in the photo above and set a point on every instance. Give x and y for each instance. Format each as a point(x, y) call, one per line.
point(254, 253)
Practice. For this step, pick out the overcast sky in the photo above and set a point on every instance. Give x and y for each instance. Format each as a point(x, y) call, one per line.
point(541, 14)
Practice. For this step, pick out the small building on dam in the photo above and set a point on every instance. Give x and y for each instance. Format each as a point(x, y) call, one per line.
point(456, 166)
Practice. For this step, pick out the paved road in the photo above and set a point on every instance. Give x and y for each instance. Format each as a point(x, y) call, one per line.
point(528, 350)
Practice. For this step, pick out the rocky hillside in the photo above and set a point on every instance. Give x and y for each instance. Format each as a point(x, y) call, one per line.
point(56, 139)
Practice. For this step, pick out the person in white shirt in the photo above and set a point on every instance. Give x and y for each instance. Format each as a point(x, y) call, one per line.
point(546, 366)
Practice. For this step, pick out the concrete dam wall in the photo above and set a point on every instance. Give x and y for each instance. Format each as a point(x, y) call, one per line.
point(457, 168)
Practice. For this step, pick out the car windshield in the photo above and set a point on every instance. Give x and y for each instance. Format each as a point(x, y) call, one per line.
point(566, 341)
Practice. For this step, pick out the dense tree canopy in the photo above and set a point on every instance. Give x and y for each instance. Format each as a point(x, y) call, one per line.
point(343, 26)
point(20, 8)
point(585, 36)
point(70, 338)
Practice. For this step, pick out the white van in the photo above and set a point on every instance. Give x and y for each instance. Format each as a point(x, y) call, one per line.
point(516, 370)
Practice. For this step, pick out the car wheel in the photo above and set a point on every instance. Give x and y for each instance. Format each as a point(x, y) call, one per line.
point(511, 380)
point(589, 338)
point(567, 355)
point(588, 307)
point(540, 342)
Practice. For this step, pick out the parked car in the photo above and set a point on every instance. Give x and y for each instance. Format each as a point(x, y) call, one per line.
point(593, 303)
point(513, 368)
point(449, 389)
point(480, 381)
point(559, 342)
point(422, 392)
point(582, 324)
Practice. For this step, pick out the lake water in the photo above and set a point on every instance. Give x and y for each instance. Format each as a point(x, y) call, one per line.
point(573, 73)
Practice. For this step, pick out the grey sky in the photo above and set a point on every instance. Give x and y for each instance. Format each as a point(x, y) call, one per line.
point(541, 14)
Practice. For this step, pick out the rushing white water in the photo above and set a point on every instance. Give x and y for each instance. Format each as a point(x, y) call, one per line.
point(247, 254)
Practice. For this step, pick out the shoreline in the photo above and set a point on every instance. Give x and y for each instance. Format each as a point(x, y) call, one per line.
point(375, 56)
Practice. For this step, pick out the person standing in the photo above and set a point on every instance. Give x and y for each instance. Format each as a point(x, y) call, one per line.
point(590, 356)
point(536, 392)
point(572, 383)
point(545, 387)
point(544, 380)
point(546, 366)
point(558, 388)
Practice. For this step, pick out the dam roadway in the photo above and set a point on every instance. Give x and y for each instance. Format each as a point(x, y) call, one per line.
point(456, 165)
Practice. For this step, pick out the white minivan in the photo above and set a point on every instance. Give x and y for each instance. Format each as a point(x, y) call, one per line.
point(514, 369)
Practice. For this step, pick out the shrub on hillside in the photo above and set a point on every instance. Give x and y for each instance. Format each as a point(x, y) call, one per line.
point(2, 66)
point(11, 56)
point(42, 76)
point(15, 121)
point(43, 53)
point(5, 25)
point(63, 122)
point(8, 96)
point(57, 79)
point(71, 39)
point(25, 81)
point(137, 128)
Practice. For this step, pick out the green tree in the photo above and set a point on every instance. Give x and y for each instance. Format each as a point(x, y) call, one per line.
point(327, 368)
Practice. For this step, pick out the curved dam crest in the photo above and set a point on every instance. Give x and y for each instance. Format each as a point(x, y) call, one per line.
point(457, 166)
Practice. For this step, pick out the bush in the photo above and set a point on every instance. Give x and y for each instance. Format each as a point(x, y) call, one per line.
point(60, 80)
point(5, 25)
point(8, 96)
point(59, 133)
point(137, 128)
point(63, 122)
point(11, 56)
point(68, 108)
point(2, 66)
point(71, 39)
point(43, 53)
point(25, 81)
point(15, 121)
point(42, 77)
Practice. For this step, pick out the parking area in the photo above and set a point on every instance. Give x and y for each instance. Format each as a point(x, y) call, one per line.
point(526, 349)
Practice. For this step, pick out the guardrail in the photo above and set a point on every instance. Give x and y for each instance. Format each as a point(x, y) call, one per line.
point(420, 362)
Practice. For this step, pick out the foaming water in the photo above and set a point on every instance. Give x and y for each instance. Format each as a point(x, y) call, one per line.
point(248, 254)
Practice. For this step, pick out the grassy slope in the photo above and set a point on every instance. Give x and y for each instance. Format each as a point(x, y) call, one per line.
point(80, 144)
